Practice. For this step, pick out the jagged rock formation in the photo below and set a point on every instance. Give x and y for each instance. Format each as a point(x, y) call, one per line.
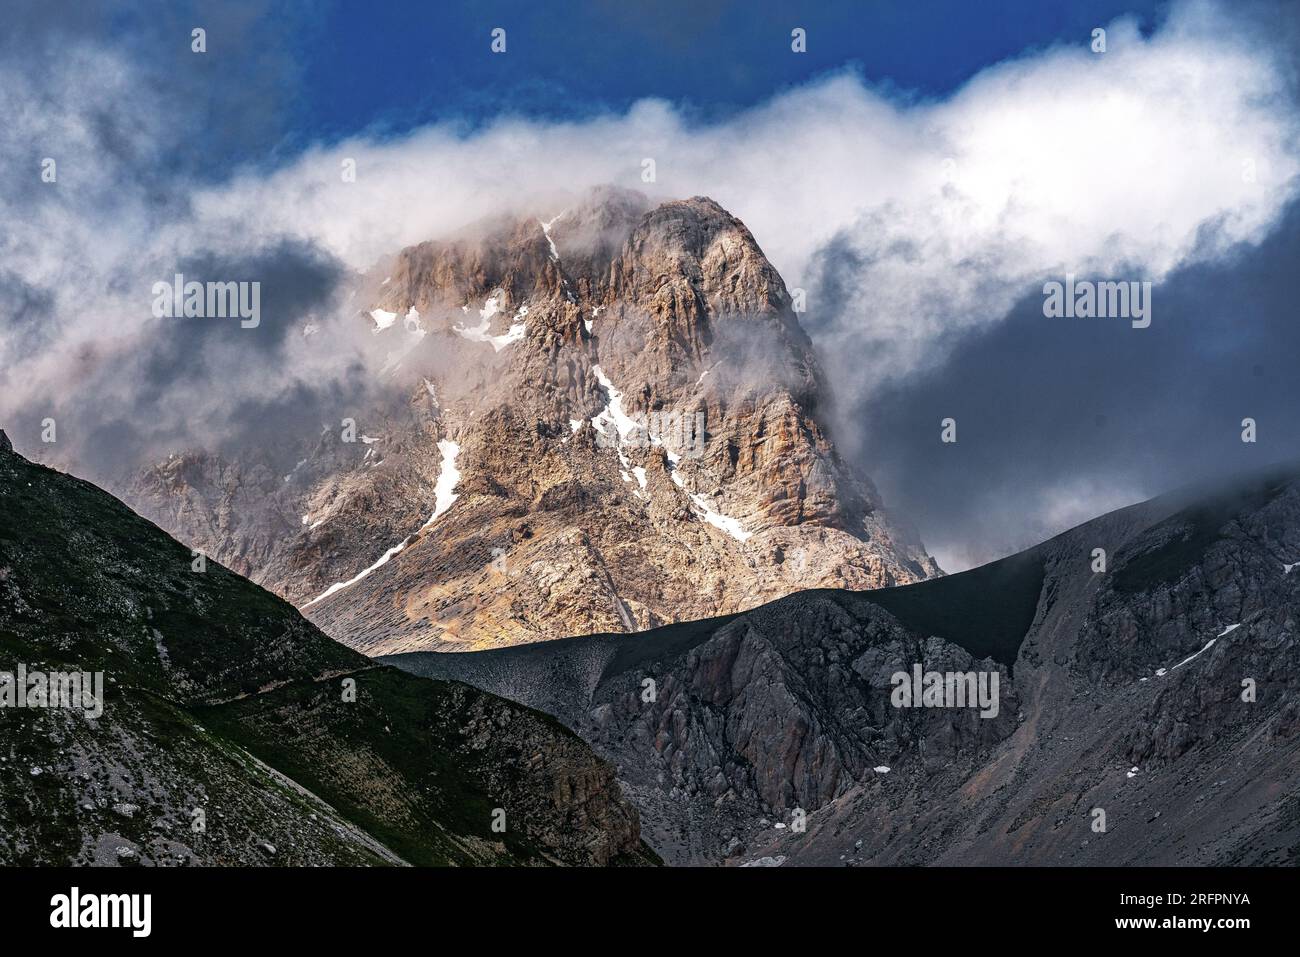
point(605, 421)
point(1162, 691)
point(233, 731)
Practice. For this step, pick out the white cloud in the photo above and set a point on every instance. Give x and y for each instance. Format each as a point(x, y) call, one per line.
point(1063, 159)
point(1060, 160)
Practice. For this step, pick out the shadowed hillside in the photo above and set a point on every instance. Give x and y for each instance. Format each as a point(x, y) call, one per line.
point(234, 732)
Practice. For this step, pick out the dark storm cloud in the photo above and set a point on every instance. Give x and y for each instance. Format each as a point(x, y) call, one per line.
point(294, 279)
point(1060, 419)
point(204, 381)
point(222, 375)
point(280, 428)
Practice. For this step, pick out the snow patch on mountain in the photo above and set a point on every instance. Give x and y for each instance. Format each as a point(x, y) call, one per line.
point(444, 490)
point(625, 426)
point(480, 333)
point(1197, 655)
point(726, 523)
point(444, 496)
point(339, 586)
point(413, 325)
point(546, 231)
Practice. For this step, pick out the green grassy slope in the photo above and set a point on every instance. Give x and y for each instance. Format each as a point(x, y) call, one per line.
point(206, 671)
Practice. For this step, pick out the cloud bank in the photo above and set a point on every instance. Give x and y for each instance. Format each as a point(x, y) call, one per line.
point(914, 225)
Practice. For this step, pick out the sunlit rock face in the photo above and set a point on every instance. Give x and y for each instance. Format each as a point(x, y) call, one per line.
point(600, 417)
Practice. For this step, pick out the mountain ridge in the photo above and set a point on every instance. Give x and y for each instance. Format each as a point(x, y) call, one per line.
point(1129, 698)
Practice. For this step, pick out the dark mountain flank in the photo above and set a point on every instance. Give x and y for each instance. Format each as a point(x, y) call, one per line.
point(1148, 710)
point(234, 732)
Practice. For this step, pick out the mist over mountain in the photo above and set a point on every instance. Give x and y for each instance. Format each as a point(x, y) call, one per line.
point(919, 270)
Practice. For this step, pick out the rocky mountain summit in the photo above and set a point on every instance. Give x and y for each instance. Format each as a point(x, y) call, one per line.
point(602, 418)
point(1147, 704)
point(228, 730)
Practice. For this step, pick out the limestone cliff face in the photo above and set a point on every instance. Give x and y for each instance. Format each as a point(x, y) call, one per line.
point(604, 418)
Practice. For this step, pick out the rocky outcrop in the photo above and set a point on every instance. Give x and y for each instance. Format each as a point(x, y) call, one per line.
point(571, 802)
point(1159, 690)
point(628, 421)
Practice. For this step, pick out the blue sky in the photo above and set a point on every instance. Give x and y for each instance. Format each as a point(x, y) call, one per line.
point(401, 64)
point(280, 75)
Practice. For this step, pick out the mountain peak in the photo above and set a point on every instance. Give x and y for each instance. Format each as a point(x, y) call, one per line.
point(619, 408)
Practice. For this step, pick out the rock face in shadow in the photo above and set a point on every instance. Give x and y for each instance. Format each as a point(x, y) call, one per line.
point(621, 400)
point(1147, 712)
point(231, 731)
